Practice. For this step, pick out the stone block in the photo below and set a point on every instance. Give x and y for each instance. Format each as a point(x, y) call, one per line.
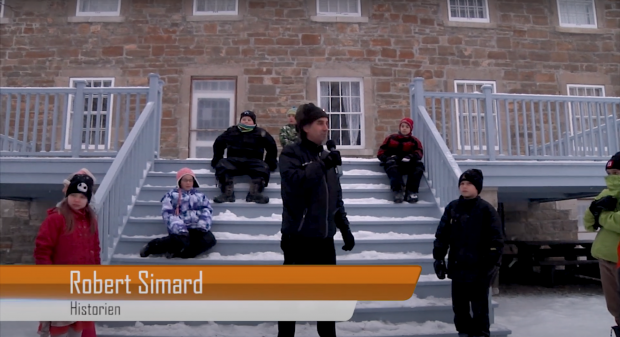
point(7, 208)
point(38, 209)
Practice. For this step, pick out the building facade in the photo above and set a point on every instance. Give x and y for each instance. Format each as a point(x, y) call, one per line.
point(355, 58)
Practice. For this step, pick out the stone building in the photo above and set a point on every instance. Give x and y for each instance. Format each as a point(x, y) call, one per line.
point(355, 58)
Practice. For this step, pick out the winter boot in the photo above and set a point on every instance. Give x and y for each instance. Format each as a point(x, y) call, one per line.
point(255, 193)
point(411, 197)
point(616, 330)
point(228, 192)
point(399, 196)
point(146, 250)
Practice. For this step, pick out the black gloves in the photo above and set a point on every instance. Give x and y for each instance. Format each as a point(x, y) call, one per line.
point(332, 160)
point(597, 207)
point(408, 158)
point(391, 160)
point(347, 237)
point(440, 269)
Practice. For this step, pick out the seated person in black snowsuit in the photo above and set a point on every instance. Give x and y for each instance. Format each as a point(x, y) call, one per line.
point(401, 154)
point(246, 144)
point(471, 230)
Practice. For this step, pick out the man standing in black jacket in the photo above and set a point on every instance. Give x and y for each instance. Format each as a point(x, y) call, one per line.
point(246, 145)
point(312, 202)
point(471, 229)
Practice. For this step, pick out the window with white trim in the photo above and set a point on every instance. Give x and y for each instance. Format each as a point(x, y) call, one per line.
point(213, 111)
point(98, 8)
point(468, 10)
point(470, 117)
point(342, 99)
point(97, 115)
point(577, 13)
point(586, 116)
point(338, 7)
point(216, 7)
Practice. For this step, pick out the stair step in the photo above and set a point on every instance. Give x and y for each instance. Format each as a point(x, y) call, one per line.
point(133, 244)
point(168, 178)
point(382, 191)
point(144, 208)
point(348, 163)
point(302, 329)
point(155, 226)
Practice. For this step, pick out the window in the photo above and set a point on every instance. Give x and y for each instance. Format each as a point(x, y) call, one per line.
point(342, 99)
point(216, 7)
point(213, 111)
point(468, 10)
point(470, 122)
point(338, 7)
point(97, 114)
point(577, 13)
point(586, 116)
point(98, 8)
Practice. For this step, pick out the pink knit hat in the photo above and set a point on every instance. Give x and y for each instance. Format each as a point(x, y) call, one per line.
point(183, 172)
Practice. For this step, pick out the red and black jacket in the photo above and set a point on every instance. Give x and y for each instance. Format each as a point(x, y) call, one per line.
point(401, 146)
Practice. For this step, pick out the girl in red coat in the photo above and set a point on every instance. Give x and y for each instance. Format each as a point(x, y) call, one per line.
point(69, 235)
point(401, 154)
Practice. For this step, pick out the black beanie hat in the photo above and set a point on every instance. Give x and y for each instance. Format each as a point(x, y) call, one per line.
point(81, 183)
point(250, 114)
point(474, 176)
point(307, 114)
point(614, 162)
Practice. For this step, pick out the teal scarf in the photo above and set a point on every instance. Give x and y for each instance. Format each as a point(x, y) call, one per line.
point(245, 128)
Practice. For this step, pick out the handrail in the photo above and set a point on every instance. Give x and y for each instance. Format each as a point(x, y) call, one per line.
point(116, 194)
point(442, 170)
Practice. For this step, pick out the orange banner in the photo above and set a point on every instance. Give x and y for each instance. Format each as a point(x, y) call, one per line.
point(226, 283)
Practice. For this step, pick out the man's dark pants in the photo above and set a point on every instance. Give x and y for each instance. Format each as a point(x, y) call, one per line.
point(227, 168)
point(414, 170)
point(308, 251)
point(474, 295)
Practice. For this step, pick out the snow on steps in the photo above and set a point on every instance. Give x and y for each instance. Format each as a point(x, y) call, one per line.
point(343, 329)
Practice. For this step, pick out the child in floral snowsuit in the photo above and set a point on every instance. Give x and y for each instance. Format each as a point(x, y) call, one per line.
point(188, 216)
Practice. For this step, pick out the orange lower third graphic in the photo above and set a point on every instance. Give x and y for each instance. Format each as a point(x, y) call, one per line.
point(210, 283)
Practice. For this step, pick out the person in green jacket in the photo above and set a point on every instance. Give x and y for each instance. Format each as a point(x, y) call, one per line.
point(604, 216)
point(288, 133)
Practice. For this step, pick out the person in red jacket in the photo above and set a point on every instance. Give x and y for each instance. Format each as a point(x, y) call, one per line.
point(401, 154)
point(69, 235)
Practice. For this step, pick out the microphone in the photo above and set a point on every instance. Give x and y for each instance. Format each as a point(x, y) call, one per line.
point(331, 146)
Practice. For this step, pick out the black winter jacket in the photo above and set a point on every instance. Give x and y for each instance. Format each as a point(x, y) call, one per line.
point(311, 195)
point(472, 231)
point(250, 145)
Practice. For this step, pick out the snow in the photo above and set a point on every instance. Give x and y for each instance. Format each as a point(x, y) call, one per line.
point(364, 186)
point(355, 159)
point(413, 302)
point(362, 173)
point(349, 201)
point(268, 256)
point(230, 216)
point(360, 235)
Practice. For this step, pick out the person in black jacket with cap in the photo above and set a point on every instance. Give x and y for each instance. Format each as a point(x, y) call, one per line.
point(471, 230)
point(312, 202)
point(246, 144)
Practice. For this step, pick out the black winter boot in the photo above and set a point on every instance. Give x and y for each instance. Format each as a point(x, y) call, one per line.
point(616, 330)
point(411, 197)
point(399, 196)
point(228, 192)
point(255, 193)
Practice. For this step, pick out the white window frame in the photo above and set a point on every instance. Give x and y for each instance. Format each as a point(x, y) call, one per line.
point(358, 14)
point(2, 8)
point(78, 13)
point(194, 111)
point(196, 12)
point(109, 113)
point(572, 116)
point(486, 18)
point(481, 113)
point(362, 113)
point(572, 25)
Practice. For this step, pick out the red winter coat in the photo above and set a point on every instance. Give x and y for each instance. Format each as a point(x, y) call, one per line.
point(54, 245)
point(401, 146)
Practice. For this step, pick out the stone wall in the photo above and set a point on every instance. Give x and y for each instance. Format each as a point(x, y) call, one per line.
point(19, 225)
point(276, 50)
point(541, 221)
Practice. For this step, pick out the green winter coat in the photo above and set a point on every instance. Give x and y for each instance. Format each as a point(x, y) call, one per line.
point(606, 243)
point(288, 135)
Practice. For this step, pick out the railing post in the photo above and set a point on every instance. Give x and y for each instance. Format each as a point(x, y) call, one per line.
point(418, 99)
point(77, 119)
point(159, 115)
point(489, 120)
point(613, 133)
point(153, 96)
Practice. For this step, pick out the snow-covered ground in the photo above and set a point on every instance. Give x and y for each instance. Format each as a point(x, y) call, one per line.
point(535, 315)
